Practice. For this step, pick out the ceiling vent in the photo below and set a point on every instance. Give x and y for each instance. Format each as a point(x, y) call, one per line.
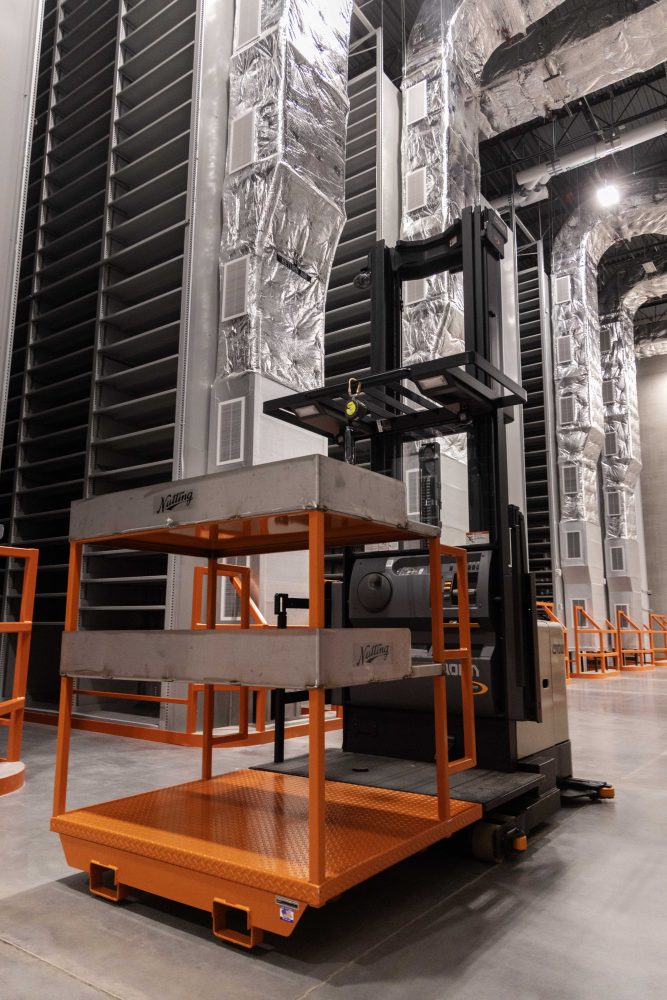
point(414, 291)
point(564, 350)
point(231, 431)
point(562, 292)
point(416, 190)
point(567, 409)
point(242, 141)
point(416, 103)
point(573, 544)
point(248, 22)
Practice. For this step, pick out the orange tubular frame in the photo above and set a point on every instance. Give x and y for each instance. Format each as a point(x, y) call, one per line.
point(12, 711)
point(251, 616)
point(626, 626)
point(461, 655)
point(657, 628)
point(422, 820)
point(601, 655)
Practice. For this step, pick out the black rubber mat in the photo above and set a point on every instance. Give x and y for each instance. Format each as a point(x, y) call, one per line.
point(490, 788)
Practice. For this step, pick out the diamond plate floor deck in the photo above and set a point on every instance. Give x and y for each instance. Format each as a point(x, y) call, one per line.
point(252, 827)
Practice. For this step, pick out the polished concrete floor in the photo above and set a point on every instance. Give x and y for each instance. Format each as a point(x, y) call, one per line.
point(581, 916)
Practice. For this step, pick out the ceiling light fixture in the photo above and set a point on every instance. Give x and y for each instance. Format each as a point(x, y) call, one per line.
point(608, 195)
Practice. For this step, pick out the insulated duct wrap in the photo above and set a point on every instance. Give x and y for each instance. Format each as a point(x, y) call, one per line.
point(283, 207)
point(649, 340)
point(651, 343)
point(447, 49)
point(621, 462)
point(578, 374)
point(595, 46)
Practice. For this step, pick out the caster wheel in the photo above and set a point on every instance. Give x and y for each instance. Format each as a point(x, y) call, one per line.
point(486, 842)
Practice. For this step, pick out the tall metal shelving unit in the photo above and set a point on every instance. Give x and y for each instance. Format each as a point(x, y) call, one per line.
point(10, 586)
point(135, 367)
point(94, 379)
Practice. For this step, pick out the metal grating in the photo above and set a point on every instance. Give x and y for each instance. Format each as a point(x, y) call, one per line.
point(8, 576)
point(536, 418)
point(132, 421)
point(348, 309)
point(64, 228)
point(94, 374)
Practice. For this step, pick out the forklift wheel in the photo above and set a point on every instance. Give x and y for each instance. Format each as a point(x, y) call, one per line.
point(607, 792)
point(520, 842)
point(485, 842)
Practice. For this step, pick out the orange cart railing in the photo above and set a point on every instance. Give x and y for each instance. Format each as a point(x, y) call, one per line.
point(657, 635)
point(250, 616)
point(594, 661)
point(638, 656)
point(548, 609)
point(12, 711)
point(462, 654)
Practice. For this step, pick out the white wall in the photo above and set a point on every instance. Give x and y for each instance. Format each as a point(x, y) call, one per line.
point(652, 385)
point(19, 46)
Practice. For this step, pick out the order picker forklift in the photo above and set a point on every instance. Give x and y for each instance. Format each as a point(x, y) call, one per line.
point(256, 847)
point(524, 760)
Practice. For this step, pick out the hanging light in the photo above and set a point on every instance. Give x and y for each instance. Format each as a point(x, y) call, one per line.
point(608, 195)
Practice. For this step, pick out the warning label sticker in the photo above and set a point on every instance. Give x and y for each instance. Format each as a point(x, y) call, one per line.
point(478, 537)
point(287, 909)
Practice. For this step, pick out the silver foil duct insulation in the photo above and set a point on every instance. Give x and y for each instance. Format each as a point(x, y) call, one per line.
point(649, 341)
point(576, 329)
point(284, 193)
point(604, 41)
point(621, 460)
point(448, 47)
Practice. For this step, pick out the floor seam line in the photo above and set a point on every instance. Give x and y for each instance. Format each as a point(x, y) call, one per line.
point(59, 968)
point(399, 930)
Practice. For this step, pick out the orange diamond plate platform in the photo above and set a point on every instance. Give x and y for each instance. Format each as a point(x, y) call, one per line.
point(245, 835)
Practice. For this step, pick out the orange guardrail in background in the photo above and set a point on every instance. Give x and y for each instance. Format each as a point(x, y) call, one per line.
point(593, 662)
point(657, 635)
point(250, 616)
point(634, 657)
point(12, 711)
point(548, 609)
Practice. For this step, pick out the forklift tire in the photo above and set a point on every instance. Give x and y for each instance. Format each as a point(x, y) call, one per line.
point(485, 842)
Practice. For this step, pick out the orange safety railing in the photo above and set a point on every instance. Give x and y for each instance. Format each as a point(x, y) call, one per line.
point(461, 655)
point(548, 609)
point(657, 635)
point(635, 657)
point(593, 662)
point(12, 711)
point(250, 617)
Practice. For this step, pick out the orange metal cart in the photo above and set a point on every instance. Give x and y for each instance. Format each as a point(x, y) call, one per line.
point(12, 711)
point(257, 848)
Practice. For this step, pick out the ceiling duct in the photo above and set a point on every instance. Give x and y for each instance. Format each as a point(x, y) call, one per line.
point(650, 340)
point(593, 45)
point(577, 251)
point(447, 49)
point(283, 194)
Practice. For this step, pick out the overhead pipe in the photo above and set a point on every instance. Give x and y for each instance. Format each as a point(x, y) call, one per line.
point(533, 181)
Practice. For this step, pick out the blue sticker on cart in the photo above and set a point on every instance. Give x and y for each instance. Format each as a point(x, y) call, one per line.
point(287, 909)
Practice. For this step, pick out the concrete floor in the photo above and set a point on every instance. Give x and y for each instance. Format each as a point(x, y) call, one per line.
point(582, 915)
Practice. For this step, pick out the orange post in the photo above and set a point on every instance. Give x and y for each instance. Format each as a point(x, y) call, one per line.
point(66, 683)
point(316, 747)
point(441, 745)
point(209, 694)
point(15, 707)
